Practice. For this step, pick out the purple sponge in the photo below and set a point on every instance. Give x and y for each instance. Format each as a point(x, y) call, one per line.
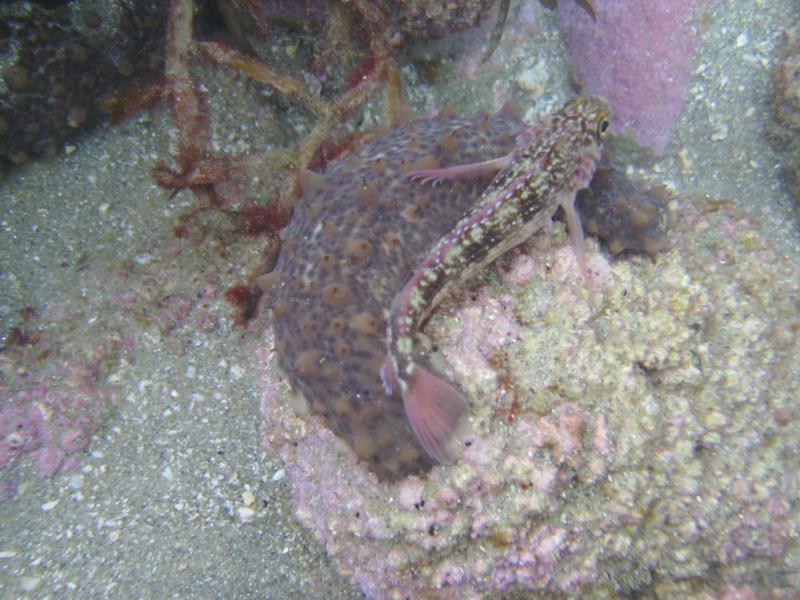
point(639, 55)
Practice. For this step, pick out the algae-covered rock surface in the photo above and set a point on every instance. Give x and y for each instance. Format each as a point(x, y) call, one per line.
point(646, 433)
point(638, 442)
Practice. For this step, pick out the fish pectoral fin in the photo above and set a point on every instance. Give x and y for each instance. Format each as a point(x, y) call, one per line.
point(467, 171)
point(437, 413)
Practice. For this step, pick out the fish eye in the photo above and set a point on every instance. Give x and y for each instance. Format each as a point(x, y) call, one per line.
point(602, 127)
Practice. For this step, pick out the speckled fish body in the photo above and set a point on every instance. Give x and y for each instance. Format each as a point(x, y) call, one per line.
point(553, 160)
point(353, 241)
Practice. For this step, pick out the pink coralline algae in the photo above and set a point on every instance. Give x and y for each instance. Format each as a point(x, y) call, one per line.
point(638, 55)
point(485, 326)
point(652, 447)
point(52, 400)
point(58, 370)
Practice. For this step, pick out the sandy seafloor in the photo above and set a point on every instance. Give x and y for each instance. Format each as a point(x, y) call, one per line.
point(158, 505)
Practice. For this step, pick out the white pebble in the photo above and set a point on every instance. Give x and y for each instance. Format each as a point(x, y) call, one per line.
point(48, 506)
point(533, 80)
point(245, 513)
point(279, 474)
point(28, 584)
point(720, 132)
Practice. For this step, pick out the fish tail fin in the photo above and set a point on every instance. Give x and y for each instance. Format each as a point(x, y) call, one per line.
point(437, 412)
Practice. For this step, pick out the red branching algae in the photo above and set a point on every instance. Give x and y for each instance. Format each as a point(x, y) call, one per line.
point(19, 336)
point(259, 220)
point(122, 105)
point(245, 298)
point(330, 150)
point(217, 179)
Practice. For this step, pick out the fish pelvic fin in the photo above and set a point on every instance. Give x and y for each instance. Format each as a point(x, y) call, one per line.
point(578, 242)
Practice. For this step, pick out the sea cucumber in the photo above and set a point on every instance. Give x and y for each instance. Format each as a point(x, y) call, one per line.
point(554, 159)
point(353, 242)
point(624, 213)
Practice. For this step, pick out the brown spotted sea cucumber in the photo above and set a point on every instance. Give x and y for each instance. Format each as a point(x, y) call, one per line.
point(553, 159)
point(353, 242)
point(624, 213)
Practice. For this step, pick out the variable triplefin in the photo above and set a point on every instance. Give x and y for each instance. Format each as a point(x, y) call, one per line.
point(552, 161)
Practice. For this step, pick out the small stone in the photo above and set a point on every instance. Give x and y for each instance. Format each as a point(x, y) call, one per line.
point(16, 78)
point(714, 420)
point(245, 514)
point(533, 80)
point(248, 498)
point(279, 474)
point(48, 506)
point(76, 116)
point(720, 132)
point(684, 160)
point(28, 584)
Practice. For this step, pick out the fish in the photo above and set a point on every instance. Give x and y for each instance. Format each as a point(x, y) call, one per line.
point(551, 161)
